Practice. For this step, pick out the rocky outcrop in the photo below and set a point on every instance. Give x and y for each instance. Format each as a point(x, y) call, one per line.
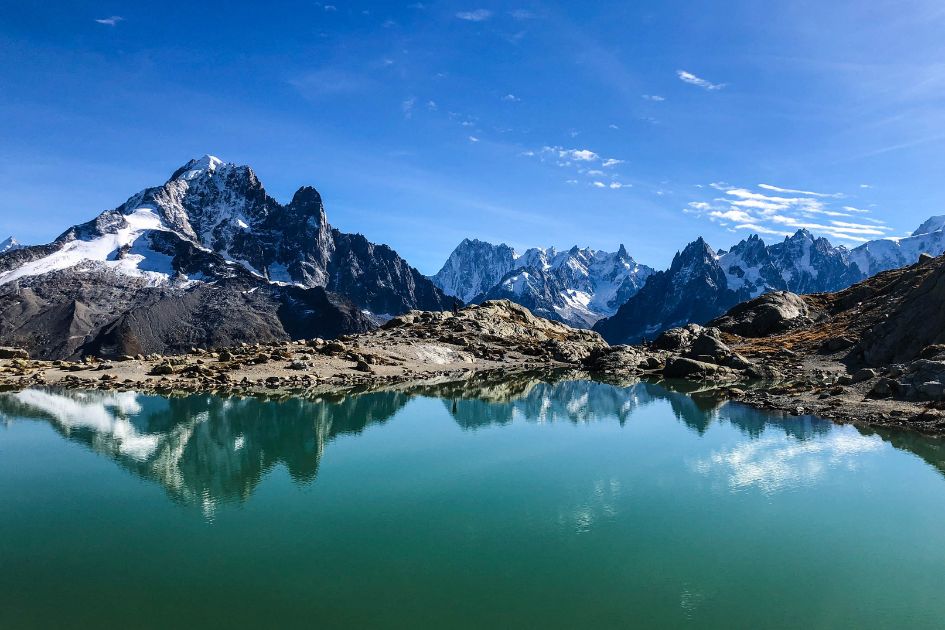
point(774, 312)
point(504, 325)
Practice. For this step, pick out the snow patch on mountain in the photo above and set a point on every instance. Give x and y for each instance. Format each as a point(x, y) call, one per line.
point(9, 244)
point(122, 250)
point(577, 286)
point(884, 254)
point(932, 224)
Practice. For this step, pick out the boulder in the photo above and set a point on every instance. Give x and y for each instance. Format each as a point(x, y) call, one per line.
point(771, 313)
point(682, 367)
point(864, 374)
point(615, 359)
point(677, 339)
point(709, 348)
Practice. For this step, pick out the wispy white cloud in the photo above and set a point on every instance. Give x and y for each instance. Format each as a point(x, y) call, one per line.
point(577, 155)
point(479, 15)
point(522, 14)
point(110, 21)
point(654, 97)
point(473, 139)
point(798, 192)
point(775, 214)
point(611, 162)
point(688, 77)
point(511, 98)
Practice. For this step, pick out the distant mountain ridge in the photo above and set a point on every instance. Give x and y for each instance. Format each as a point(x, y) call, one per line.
point(577, 286)
point(702, 284)
point(9, 244)
point(207, 258)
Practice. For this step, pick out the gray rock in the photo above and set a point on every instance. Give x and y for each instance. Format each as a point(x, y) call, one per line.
point(677, 338)
point(682, 367)
point(7, 352)
point(864, 374)
point(883, 388)
point(933, 389)
point(835, 344)
point(770, 313)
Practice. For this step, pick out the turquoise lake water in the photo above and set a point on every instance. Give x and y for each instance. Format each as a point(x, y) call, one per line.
point(523, 505)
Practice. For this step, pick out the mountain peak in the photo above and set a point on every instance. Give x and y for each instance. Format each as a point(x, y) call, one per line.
point(801, 234)
point(208, 164)
point(698, 246)
point(932, 224)
point(8, 245)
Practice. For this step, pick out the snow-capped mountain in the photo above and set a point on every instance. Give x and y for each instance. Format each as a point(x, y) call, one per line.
point(473, 268)
point(800, 263)
point(577, 286)
point(204, 259)
point(9, 245)
point(701, 284)
point(693, 289)
point(884, 254)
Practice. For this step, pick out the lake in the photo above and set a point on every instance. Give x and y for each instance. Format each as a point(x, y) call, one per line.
point(522, 504)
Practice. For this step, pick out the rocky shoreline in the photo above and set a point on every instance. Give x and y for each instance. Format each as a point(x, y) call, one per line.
point(491, 342)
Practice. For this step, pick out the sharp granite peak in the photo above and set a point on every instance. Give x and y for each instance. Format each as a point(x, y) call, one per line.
point(702, 284)
point(207, 258)
point(577, 286)
point(9, 244)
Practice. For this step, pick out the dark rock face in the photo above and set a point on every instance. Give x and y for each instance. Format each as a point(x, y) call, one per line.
point(701, 284)
point(98, 314)
point(693, 289)
point(206, 259)
point(378, 279)
point(771, 313)
point(909, 313)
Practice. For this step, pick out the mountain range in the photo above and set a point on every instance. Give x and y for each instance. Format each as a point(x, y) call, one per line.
point(578, 286)
point(9, 245)
point(702, 284)
point(206, 259)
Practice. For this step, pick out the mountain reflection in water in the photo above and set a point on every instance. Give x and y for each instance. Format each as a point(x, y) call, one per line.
point(205, 450)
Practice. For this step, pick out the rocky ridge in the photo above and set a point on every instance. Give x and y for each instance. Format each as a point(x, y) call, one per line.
point(702, 284)
point(419, 345)
point(578, 286)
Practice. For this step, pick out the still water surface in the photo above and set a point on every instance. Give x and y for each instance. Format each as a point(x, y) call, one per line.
point(530, 504)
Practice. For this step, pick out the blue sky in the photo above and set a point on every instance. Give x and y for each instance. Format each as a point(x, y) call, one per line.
point(533, 123)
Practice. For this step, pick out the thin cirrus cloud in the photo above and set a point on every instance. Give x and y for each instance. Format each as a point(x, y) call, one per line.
point(110, 21)
point(479, 15)
point(656, 98)
point(765, 213)
point(585, 162)
point(799, 192)
point(690, 78)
